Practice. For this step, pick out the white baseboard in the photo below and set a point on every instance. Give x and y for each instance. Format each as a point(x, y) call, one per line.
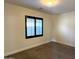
point(22, 49)
point(29, 47)
point(53, 40)
point(62, 43)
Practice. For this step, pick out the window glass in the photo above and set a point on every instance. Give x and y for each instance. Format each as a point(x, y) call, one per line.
point(30, 27)
point(38, 27)
point(33, 26)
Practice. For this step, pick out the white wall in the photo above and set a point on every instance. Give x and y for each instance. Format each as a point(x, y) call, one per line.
point(59, 28)
point(64, 28)
point(15, 28)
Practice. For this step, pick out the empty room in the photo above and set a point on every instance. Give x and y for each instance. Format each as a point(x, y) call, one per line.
point(39, 29)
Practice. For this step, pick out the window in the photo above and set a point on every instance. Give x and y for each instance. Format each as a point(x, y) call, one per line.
point(33, 26)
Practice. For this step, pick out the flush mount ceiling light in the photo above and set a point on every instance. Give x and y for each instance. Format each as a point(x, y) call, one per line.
point(50, 2)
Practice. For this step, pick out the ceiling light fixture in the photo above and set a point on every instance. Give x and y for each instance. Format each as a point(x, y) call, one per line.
point(50, 2)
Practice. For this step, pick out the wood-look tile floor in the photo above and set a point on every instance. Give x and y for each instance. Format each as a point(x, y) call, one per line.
point(50, 50)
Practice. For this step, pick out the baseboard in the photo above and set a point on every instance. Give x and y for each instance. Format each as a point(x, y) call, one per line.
point(26, 48)
point(32, 46)
point(62, 43)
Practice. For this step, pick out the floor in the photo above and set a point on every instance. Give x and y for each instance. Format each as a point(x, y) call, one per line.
point(50, 50)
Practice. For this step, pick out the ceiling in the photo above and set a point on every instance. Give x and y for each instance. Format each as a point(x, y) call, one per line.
point(62, 7)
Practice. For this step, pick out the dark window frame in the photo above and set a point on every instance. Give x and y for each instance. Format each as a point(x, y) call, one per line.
point(34, 26)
